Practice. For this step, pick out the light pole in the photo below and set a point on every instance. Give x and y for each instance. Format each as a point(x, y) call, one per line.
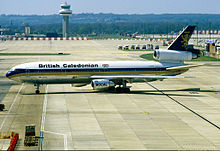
point(197, 25)
point(210, 26)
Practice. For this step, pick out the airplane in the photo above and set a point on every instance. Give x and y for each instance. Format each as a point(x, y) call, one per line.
point(110, 75)
point(3, 38)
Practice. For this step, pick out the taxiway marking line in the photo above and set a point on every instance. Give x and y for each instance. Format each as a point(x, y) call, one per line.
point(64, 138)
point(65, 142)
point(3, 122)
point(195, 113)
point(40, 147)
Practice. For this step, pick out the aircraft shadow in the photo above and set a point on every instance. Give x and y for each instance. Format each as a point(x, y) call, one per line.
point(146, 92)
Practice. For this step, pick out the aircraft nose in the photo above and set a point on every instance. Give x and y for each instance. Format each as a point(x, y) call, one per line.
point(8, 74)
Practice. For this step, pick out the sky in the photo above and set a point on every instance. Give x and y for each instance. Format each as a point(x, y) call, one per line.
point(47, 7)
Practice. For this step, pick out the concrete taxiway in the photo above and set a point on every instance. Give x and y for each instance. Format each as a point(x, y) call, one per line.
point(170, 114)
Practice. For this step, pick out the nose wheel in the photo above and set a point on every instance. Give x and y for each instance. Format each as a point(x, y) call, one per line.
point(37, 91)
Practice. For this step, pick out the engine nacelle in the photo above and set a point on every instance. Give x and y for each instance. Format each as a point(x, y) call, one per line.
point(174, 55)
point(102, 84)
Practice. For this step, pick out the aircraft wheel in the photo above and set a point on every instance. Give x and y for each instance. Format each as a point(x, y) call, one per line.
point(37, 91)
point(126, 90)
point(111, 88)
point(119, 89)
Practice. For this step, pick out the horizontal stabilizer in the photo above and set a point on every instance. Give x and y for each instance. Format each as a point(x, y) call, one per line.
point(184, 67)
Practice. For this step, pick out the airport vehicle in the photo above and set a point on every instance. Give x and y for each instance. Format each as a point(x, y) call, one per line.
point(132, 47)
point(120, 47)
point(30, 138)
point(3, 38)
point(112, 75)
point(144, 47)
point(150, 46)
point(137, 47)
point(2, 107)
point(126, 47)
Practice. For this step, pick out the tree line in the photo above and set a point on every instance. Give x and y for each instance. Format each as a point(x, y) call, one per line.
point(84, 24)
point(111, 28)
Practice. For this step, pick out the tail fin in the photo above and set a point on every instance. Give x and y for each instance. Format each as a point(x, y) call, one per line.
point(182, 40)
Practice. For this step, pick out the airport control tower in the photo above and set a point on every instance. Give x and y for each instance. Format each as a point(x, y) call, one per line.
point(65, 12)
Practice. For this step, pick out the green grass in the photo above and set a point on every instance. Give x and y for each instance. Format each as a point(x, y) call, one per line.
point(201, 58)
point(206, 58)
point(147, 56)
point(31, 54)
point(139, 50)
point(104, 36)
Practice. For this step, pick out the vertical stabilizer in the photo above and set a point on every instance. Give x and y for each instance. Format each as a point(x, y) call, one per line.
point(182, 40)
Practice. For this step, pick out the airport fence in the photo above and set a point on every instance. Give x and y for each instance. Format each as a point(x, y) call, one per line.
point(86, 38)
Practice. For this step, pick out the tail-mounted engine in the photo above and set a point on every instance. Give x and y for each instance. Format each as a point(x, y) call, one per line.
point(174, 55)
point(102, 84)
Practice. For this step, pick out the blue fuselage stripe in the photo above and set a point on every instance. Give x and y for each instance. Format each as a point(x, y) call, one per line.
point(61, 70)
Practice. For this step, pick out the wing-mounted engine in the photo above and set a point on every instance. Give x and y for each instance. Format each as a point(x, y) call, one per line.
point(173, 55)
point(101, 84)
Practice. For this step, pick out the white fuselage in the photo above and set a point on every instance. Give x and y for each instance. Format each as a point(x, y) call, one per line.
point(80, 72)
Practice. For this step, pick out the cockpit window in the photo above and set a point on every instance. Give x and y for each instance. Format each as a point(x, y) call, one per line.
point(12, 69)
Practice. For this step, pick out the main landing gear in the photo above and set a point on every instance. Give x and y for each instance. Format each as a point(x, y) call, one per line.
point(123, 89)
point(37, 91)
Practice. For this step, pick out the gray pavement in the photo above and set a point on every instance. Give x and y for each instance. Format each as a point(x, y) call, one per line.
point(81, 118)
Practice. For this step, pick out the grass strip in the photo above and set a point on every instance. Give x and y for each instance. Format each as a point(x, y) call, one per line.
point(147, 56)
point(31, 54)
point(138, 50)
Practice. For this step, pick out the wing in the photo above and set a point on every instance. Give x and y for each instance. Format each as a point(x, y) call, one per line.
point(146, 77)
point(135, 77)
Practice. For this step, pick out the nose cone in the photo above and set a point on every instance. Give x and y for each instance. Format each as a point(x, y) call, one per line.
point(9, 73)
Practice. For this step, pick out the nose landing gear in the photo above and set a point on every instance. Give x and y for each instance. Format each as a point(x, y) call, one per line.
point(37, 91)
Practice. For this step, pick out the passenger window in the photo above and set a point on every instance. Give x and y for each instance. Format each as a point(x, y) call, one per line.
point(19, 70)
